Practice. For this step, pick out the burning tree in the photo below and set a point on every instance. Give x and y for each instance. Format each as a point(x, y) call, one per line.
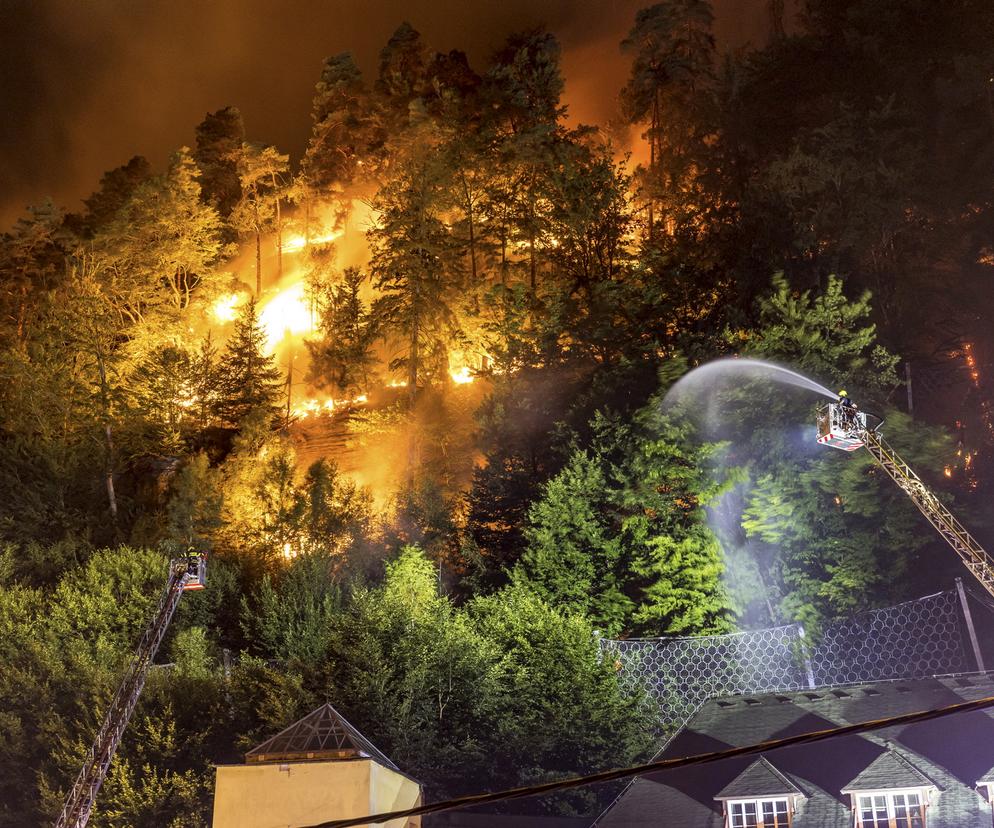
point(248, 379)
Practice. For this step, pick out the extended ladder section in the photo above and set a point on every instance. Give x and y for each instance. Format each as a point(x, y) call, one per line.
point(79, 802)
point(973, 555)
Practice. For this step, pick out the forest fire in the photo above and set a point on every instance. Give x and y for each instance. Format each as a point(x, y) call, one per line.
point(297, 242)
point(315, 407)
point(399, 369)
point(225, 309)
point(286, 314)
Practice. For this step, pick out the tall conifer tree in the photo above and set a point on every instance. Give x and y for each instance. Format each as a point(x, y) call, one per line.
point(247, 378)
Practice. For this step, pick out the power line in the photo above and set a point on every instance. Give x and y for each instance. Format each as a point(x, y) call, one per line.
point(662, 764)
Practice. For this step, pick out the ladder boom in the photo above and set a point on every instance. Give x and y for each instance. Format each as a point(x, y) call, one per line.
point(974, 556)
point(79, 802)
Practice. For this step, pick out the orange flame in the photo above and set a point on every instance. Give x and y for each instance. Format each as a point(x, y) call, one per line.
point(225, 309)
point(286, 314)
point(296, 242)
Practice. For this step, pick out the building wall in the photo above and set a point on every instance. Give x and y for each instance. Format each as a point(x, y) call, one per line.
point(296, 794)
point(391, 791)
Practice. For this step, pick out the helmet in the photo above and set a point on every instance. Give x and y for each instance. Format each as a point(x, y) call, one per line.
point(843, 394)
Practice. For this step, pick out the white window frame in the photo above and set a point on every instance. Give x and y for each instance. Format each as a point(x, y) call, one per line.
point(758, 802)
point(889, 793)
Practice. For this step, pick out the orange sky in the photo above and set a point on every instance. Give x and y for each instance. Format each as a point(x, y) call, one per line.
point(88, 85)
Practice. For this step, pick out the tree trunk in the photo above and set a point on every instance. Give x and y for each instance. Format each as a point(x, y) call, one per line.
point(289, 386)
point(22, 316)
point(531, 262)
point(279, 236)
point(258, 264)
point(412, 363)
point(776, 19)
point(109, 463)
point(469, 218)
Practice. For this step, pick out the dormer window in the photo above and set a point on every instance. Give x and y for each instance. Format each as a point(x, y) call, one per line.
point(890, 793)
point(759, 797)
point(891, 809)
point(759, 813)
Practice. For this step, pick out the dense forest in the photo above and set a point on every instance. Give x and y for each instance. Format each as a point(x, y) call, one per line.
point(498, 344)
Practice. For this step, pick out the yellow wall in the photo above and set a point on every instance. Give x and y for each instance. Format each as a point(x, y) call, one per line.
point(391, 791)
point(305, 793)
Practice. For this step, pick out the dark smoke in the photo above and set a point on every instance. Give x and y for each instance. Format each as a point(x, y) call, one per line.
point(86, 86)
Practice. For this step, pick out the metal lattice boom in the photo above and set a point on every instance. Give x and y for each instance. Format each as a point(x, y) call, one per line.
point(973, 555)
point(79, 802)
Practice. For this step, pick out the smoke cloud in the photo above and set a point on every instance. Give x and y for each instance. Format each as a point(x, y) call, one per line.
point(86, 86)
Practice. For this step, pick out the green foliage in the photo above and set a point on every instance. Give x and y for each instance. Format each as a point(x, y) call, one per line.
point(573, 556)
point(219, 140)
point(620, 534)
point(105, 605)
point(290, 619)
point(452, 694)
point(562, 709)
point(193, 511)
point(413, 674)
point(412, 267)
point(161, 247)
point(847, 538)
point(826, 335)
point(501, 239)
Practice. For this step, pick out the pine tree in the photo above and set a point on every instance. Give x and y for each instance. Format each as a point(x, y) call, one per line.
point(620, 534)
point(162, 246)
point(219, 143)
point(262, 172)
point(412, 267)
point(116, 188)
point(673, 58)
point(247, 378)
point(342, 359)
point(346, 135)
point(573, 556)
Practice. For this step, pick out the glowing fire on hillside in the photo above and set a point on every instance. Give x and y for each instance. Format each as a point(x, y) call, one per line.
point(286, 314)
point(315, 407)
point(296, 242)
point(225, 309)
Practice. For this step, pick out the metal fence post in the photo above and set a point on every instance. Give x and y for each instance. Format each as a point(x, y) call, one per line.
point(807, 660)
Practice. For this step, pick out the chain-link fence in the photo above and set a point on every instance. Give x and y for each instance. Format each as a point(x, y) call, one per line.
point(911, 640)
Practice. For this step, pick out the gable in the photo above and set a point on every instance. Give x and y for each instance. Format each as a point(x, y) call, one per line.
point(760, 779)
point(889, 770)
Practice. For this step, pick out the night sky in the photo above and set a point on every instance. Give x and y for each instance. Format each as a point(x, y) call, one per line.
point(87, 85)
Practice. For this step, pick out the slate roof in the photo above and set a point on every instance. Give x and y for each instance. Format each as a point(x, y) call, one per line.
point(322, 734)
point(987, 778)
point(952, 754)
point(759, 779)
point(888, 770)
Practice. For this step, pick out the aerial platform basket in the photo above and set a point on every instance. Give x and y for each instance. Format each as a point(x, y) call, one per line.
point(195, 575)
point(842, 427)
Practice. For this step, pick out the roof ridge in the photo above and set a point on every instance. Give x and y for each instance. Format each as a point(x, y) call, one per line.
point(322, 731)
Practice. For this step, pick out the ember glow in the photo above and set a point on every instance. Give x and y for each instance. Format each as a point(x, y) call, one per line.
point(297, 242)
point(315, 407)
point(462, 376)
